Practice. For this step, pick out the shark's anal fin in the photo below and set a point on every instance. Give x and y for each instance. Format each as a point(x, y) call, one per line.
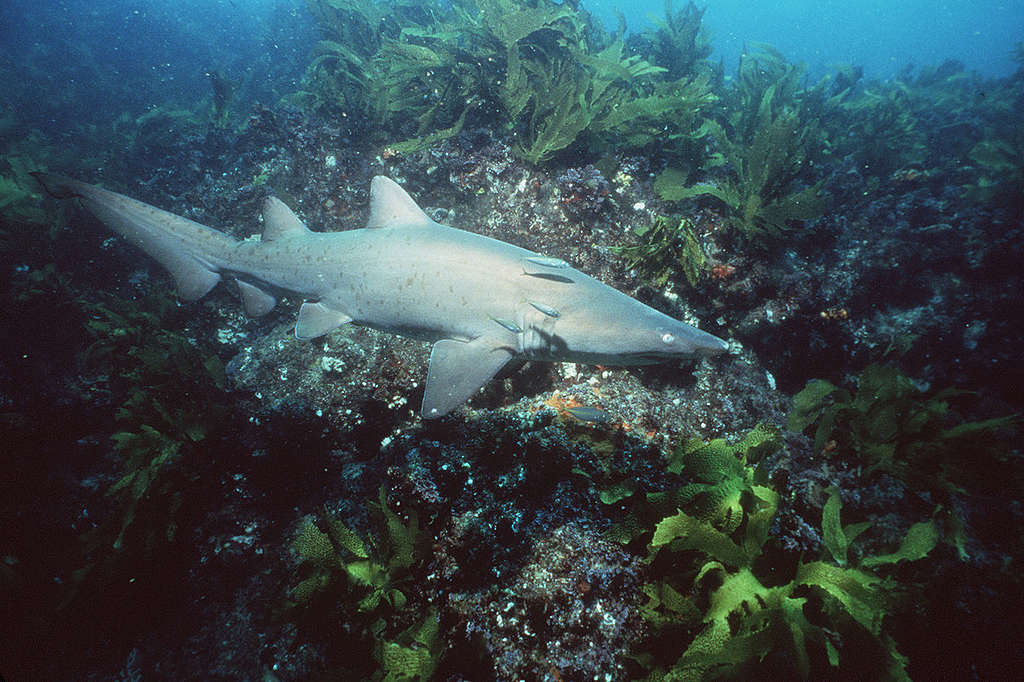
point(256, 302)
point(316, 319)
point(458, 370)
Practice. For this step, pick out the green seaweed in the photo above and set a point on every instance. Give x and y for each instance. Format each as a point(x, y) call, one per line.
point(159, 420)
point(743, 615)
point(334, 80)
point(339, 560)
point(223, 95)
point(1000, 158)
point(878, 126)
point(428, 83)
point(725, 476)
point(665, 248)
point(169, 396)
point(414, 653)
point(763, 151)
point(542, 71)
point(339, 568)
point(572, 89)
point(161, 128)
point(723, 601)
point(680, 42)
point(721, 478)
point(356, 23)
point(894, 427)
point(665, 118)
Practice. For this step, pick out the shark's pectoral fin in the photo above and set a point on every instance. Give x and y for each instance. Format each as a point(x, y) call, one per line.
point(256, 302)
point(316, 319)
point(458, 370)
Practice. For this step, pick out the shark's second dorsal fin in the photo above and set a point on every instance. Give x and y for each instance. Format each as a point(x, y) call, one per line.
point(391, 206)
point(279, 221)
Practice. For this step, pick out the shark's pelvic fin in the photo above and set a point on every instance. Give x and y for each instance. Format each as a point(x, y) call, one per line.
point(316, 319)
point(458, 370)
point(280, 222)
point(391, 206)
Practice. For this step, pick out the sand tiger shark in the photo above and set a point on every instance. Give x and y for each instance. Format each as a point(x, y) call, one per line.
point(481, 302)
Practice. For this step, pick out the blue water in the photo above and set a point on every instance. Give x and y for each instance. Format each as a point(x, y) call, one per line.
point(883, 36)
point(165, 47)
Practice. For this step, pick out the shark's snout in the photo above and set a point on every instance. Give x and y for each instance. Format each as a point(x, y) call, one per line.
point(683, 341)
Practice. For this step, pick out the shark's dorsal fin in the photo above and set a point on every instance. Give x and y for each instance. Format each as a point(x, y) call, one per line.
point(279, 221)
point(391, 206)
point(458, 369)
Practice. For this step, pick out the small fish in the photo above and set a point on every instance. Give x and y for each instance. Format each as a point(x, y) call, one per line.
point(547, 261)
point(546, 309)
point(586, 413)
point(509, 325)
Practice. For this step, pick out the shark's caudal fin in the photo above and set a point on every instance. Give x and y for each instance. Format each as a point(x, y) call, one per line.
point(184, 247)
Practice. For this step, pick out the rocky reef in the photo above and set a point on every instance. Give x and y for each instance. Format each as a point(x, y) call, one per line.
point(834, 498)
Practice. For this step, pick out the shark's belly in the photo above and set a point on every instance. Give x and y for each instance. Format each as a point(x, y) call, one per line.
point(441, 283)
point(429, 284)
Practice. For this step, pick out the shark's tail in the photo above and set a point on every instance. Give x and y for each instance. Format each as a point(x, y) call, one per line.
point(57, 186)
point(191, 252)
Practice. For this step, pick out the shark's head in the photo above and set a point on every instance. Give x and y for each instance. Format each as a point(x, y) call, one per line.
point(625, 332)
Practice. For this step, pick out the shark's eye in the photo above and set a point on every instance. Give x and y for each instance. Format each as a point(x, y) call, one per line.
point(667, 338)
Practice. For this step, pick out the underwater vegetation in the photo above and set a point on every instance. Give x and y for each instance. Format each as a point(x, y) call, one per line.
point(924, 125)
point(169, 397)
point(157, 415)
point(223, 93)
point(1000, 158)
point(763, 144)
point(556, 83)
point(890, 426)
point(353, 586)
point(545, 72)
point(144, 363)
point(717, 581)
point(679, 44)
point(855, 533)
point(663, 248)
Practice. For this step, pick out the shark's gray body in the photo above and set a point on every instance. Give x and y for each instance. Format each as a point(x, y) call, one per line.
point(482, 302)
